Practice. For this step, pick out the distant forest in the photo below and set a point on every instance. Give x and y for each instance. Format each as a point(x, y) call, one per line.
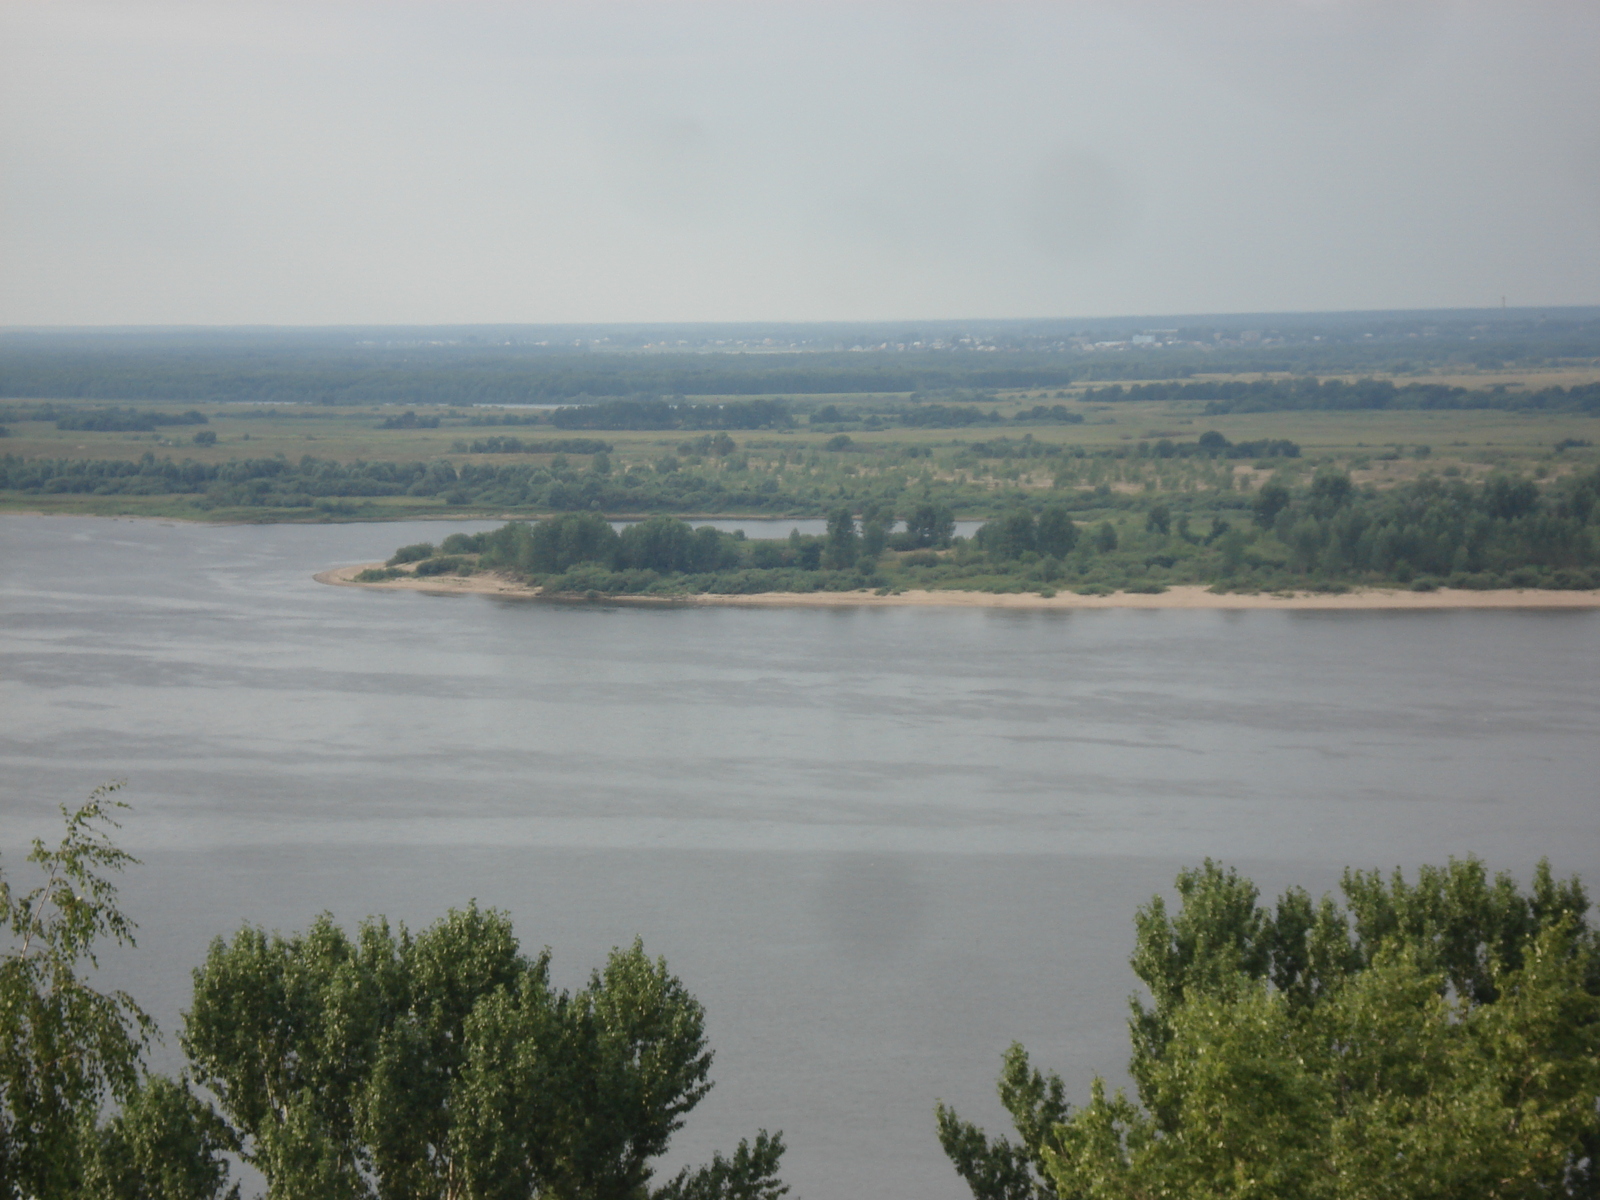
point(1278, 395)
point(532, 365)
point(488, 378)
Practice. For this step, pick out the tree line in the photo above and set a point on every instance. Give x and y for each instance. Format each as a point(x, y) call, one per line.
point(1502, 531)
point(1338, 395)
point(501, 444)
point(111, 419)
point(388, 1065)
point(486, 375)
point(662, 413)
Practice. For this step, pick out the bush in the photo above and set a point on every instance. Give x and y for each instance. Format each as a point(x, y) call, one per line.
point(1573, 580)
point(443, 565)
point(415, 552)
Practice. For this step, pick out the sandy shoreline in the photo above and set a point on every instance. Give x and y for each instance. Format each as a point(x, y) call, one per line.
point(1183, 596)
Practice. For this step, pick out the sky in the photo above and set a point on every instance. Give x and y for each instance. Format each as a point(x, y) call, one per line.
point(237, 162)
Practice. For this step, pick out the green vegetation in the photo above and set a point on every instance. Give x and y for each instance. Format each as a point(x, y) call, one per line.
point(64, 1047)
point(1436, 1038)
point(113, 420)
point(1338, 395)
point(1324, 534)
point(1431, 1039)
point(391, 1066)
point(803, 421)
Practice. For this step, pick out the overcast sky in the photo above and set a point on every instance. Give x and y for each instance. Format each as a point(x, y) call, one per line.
point(336, 162)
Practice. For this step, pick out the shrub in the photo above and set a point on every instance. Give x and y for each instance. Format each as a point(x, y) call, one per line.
point(443, 565)
point(415, 552)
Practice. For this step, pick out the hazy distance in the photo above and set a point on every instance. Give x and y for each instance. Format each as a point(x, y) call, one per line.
point(683, 161)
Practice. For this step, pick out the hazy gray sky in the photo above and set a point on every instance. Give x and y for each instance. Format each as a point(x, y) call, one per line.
point(239, 162)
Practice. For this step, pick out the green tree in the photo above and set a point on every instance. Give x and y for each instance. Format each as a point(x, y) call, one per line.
point(1272, 499)
point(1105, 537)
point(405, 1109)
point(1331, 490)
point(929, 524)
point(572, 538)
point(284, 1032)
point(1000, 1169)
point(68, 1050)
point(444, 1067)
point(1057, 532)
point(164, 1144)
point(1431, 1039)
point(874, 537)
point(658, 544)
point(842, 546)
point(1158, 520)
point(1010, 536)
point(65, 1048)
point(751, 1174)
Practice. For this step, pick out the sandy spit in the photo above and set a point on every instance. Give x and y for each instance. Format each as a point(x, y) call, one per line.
point(1183, 596)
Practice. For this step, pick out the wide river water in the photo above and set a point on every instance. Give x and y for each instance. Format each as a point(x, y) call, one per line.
point(879, 844)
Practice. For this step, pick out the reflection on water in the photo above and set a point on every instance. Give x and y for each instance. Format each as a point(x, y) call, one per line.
point(878, 843)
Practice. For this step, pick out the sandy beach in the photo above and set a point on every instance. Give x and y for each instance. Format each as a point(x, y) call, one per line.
point(1182, 596)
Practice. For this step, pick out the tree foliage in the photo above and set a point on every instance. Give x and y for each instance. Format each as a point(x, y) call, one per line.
point(439, 1066)
point(64, 1047)
point(67, 1050)
point(444, 1066)
point(1431, 1039)
point(165, 1143)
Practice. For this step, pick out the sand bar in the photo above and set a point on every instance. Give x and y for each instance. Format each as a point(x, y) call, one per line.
point(1182, 596)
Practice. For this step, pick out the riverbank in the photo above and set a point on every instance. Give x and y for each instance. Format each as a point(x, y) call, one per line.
point(1183, 596)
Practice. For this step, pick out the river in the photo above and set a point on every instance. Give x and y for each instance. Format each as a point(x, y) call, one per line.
point(878, 844)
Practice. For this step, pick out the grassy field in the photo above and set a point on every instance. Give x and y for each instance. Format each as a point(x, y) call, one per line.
point(1380, 447)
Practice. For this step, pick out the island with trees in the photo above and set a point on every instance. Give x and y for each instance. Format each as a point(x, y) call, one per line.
point(1325, 535)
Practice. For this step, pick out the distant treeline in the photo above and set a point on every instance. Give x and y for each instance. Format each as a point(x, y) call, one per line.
point(102, 420)
point(947, 416)
point(486, 376)
point(500, 444)
point(662, 413)
point(409, 420)
point(1275, 395)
